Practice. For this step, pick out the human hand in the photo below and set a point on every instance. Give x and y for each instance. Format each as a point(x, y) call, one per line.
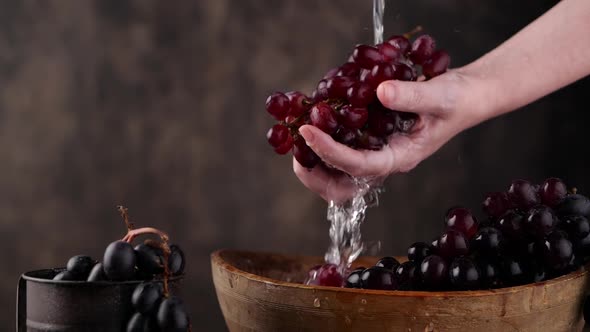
point(446, 105)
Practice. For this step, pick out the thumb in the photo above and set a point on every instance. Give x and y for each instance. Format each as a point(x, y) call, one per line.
point(415, 97)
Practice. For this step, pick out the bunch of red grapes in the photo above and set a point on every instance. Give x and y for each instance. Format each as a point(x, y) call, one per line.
point(530, 233)
point(345, 105)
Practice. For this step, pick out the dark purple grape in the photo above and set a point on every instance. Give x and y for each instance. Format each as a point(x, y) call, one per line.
point(338, 86)
point(176, 261)
point(488, 241)
point(147, 297)
point(360, 94)
point(461, 219)
point(538, 272)
point(119, 261)
point(452, 244)
point(404, 72)
point(496, 204)
point(464, 274)
point(407, 275)
point(378, 278)
point(65, 276)
point(511, 225)
point(552, 191)
point(367, 56)
point(80, 266)
point(514, 272)
point(540, 221)
point(354, 279)
point(577, 227)
point(299, 103)
point(277, 105)
point(388, 262)
point(277, 135)
point(489, 273)
point(380, 73)
point(389, 52)
point(558, 250)
point(172, 315)
point(323, 117)
point(574, 204)
point(137, 323)
point(437, 64)
point(349, 69)
point(418, 251)
point(97, 274)
point(522, 194)
point(150, 261)
point(353, 117)
point(400, 42)
point(434, 272)
point(346, 136)
point(422, 49)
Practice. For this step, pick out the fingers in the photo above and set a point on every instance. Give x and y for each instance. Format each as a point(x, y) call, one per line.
point(354, 162)
point(329, 185)
point(415, 97)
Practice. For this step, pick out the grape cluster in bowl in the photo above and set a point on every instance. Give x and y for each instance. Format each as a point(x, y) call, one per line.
point(154, 262)
point(530, 233)
point(345, 105)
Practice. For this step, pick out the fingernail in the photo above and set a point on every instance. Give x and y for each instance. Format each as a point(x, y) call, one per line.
point(385, 91)
point(307, 134)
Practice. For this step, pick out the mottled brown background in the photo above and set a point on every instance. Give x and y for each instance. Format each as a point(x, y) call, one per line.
point(158, 105)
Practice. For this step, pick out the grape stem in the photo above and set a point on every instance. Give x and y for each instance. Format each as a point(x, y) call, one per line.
point(133, 233)
point(125, 215)
point(412, 32)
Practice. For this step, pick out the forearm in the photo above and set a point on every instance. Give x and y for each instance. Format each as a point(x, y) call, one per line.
point(548, 54)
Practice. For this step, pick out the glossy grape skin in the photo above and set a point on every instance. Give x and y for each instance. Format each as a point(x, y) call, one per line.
point(277, 105)
point(514, 272)
point(136, 323)
point(380, 73)
point(172, 316)
point(404, 72)
point(488, 241)
point(490, 275)
point(400, 42)
point(522, 194)
point(285, 147)
point(434, 272)
point(346, 136)
point(574, 204)
point(407, 275)
point(353, 117)
point(119, 261)
point(422, 49)
point(80, 266)
point(378, 278)
point(97, 274)
point(552, 191)
point(577, 227)
point(464, 274)
point(540, 221)
point(65, 276)
point(354, 279)
point(338, 86)
point(388, 262)
point(367, 56)
point(461, 219)
point(299, 103)
point(176, 260)
point(389, 52)
point(452, 244)
point(349, 69)
point(496, 204)
point(147, 296)
point(328, 275)
point(277, 135)
point(418, 251)
point(323, 117)
point(437, 64)
point(360, 94)
point(511, 225)
point(558, 251)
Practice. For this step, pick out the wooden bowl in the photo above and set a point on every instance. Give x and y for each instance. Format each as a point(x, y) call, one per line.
point(263, 292)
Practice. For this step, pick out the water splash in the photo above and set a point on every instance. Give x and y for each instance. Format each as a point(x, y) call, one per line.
point(378, 11)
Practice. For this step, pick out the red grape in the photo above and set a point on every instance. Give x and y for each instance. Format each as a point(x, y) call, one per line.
point(286, 146)
point(552, 191)
point(346, 136)
point(304, 154)
point(277, 104)
point(389, 52)
point(422, 49)
point(379, 73)
point(353, 117)
point(360, 94)
point(437, 64)
point(462, 220)
point(323, 117)
point(522, 194)
point(403, 72)
point(338, 86)
point(382, 123)
point(452, 243)
point(277, 135)
point(328, 275)
point(400, 42)
point(331, 73)
point(496, 204)
point(349, 69)
point(299, 103)
point(367, 56)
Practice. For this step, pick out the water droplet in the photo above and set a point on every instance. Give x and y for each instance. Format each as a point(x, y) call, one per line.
point(316, 303)
point(363, 301)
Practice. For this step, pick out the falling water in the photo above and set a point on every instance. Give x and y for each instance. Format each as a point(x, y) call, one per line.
point(378, 11)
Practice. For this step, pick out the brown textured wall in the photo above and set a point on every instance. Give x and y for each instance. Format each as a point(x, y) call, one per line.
point(158, 105)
